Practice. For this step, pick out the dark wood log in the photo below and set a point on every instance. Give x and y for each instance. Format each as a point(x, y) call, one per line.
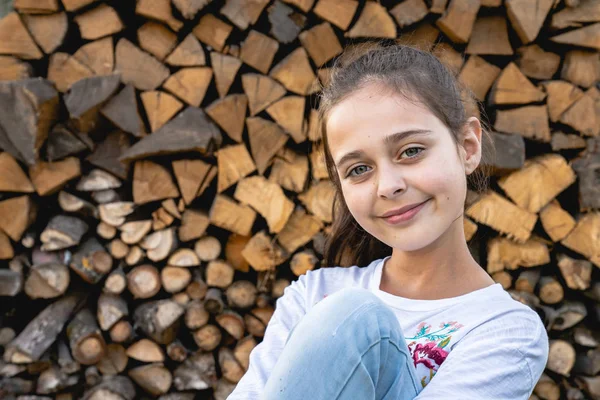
point(159, 319)
point(85, 338)
point(11, 282)
point(198, 372)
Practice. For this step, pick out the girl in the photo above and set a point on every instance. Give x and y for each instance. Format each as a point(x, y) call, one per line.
point(415, 316)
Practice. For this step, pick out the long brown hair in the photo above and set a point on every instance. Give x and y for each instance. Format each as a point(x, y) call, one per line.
point(415, 75)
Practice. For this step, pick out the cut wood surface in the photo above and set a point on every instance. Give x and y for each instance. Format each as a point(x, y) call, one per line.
point(163, 178)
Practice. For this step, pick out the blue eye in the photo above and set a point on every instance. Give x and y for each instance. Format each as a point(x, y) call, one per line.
point(415, 155)
point(414, 148)
point(354, 169)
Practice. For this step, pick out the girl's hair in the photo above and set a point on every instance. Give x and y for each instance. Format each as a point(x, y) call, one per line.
point(416, 75)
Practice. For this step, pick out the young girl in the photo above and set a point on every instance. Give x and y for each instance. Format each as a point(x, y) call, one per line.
point(415, 316)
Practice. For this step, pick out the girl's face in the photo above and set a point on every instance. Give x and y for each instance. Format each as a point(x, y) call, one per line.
point(390, 153)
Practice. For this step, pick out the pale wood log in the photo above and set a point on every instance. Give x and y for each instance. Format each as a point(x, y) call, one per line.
point(111, 309)
point(47, 280)
point(99, 22)
point(114, 361)
point(507, 254)
point(159, 319)
point(208, 337)
point(155, 379)
point(85, 339)
point(159, 10)
point(17, 39)
point(198, 372)
point(537, 63)
point(527, 18)
point(339, 13)
point(212, 31)
point(143, 281)
point(146, 350)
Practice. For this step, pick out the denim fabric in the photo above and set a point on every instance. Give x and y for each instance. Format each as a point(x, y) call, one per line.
point(347, 346)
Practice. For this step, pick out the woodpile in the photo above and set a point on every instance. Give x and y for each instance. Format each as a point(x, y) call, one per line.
point(162, 178)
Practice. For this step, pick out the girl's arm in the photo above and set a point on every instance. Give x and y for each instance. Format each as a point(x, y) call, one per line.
point(289, 309)
point(503, 359)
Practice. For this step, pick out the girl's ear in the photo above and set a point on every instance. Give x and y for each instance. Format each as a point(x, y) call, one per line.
point(471, 144)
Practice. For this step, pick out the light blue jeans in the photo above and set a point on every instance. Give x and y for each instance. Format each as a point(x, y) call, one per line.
point(348, 346)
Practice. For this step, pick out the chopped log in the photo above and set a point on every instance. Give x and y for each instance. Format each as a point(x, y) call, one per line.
point(562, 141)
point(85, 339)
point(580, 239)
point(303, 261)
point(577, 273)
point(74, 5)
point(581, 116)
point(53, 380)
point(112, 387)
point(191, 130)
point(177, 351)
point(409, 12)
point(225, 68)
point(261, 91)
point(161, 219)
point(134, 256)
point(139, 68)
point(208, 337)
point(74, 204)
point(13, 178)
point(6, 335)
point(184, 258)
point(49, 31)
point(530, 122)
point(198, 372)
point(242, 350)
point(285, 23)
point(111, 309)
point(114, 213)
point(114, 361)
point(527, 18)
point(196, 315)
point(561, 96)
point(457, 22)
point(241, 294)
point(551, 291)
point(155, 379)
point(99, 22)
point(339, 13)
point(374, 21)
point(290, 174)
point(256, 321)
point(260, 132)
point(490, 36)
point(159, 10)
point(189, 8)
point(159, 319)
point(121, 331)
point(295, 73)
point(143, 281)
point(91, 261)
point(175, 279)
point(226, 213)
point(479, 76)
point(207, 248)
point(507, 254)
point(258, 51)
point(134, 231)
point(193, 225)
point(536, 63)
point(262, 253)
point(92, 376)
point(11, 282)
point(156, 39)
point(212, 31)
point(49, 178)
point(197, 288)
point(561, 357)
point(160, 244)
point(17, 39)
point(576, 14)
point(229, 113)
point(65, 70)
point(63, 231)
point(567, 316)
point(512, 87)
point(190, 175)
point(289, 114)
point(231, 368)
point(318, 200)
point(35, 102)
point(219, 274)
point(580, 67)
point(321, 43)
point(213, 301)
point(146, 350)
point(12, 68)
point(116, 282)
point(488, 205)
point(232, 322)
point(152, 182)
point(243, 14)
point(266, 198)
point(160, 107)
point(107, 156)
point(97, 56)
point(586, 167)
point(190, 84)
point(181, 298)
point(556, 222)
point(188, 53)
point(528, 280)
point(122, 110)
point(47, 281)
point(538, 182)
point(588, 36)
point(86, 97)
point(510, 153)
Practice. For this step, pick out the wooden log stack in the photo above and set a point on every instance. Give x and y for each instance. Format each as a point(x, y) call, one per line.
point(162, 178)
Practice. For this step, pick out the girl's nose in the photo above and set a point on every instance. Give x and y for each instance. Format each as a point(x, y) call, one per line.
point(390, 183)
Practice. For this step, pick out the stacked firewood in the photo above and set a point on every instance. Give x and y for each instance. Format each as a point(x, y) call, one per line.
point(162, 178)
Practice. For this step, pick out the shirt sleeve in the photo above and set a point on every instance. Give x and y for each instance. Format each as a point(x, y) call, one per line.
point(503, 360)
point(289, 309)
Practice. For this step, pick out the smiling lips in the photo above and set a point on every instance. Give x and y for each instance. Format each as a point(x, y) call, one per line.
point(400, 211)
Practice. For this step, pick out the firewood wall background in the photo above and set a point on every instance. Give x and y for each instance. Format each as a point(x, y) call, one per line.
point(162, 178)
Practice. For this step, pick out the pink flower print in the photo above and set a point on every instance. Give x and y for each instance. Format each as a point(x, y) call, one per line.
point(429, 355)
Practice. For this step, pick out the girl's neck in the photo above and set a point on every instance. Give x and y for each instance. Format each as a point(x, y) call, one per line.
point(444, 269)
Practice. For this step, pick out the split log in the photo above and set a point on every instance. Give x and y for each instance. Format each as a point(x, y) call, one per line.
point(159, 319)
point(146, 350)
point(47, 281)
point(91, 261)
point(198, 372)
point(143, 281)
point(63, 231)
point(111, 308)
point(115, 360)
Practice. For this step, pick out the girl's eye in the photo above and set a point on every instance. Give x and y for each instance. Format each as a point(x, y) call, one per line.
point(413, 152)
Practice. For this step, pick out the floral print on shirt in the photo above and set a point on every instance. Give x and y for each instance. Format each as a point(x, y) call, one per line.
point(427, 348)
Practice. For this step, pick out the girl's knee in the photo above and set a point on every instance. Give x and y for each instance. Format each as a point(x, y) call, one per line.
point(351, 298)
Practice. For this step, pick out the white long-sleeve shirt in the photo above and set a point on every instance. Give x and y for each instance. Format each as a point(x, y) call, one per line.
point(481, 345)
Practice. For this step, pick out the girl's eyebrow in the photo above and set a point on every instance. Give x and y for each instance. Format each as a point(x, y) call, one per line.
point(388, 140)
